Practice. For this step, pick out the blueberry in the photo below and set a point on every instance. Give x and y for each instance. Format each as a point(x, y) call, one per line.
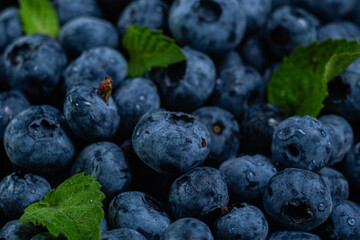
point(224, 132)
point(18, 192)
point(212, 26)
point(122, 234)
point(150, 13)
point(187, 85)
point(341, 135)
point(254, 53)
point(104, 227)
point(15, 231)
point(33, 64)
point(343, 223)
point(138, 211)
point(293, 235)
point(36, 140)
point(83, 33)
point(258, 125)
point(47, 236)
point(301, 142)
point(256, 13)
point(352, 166)
point(198, 192)
point(241, 223)
point(246, 177)
point(89, 116)
point(297, 199)
point(93, 65)
point(287, 28)
point(329, 10)
point(70, 9)
point(343, 95)
point(134, 98)
point(106, 162)
point(237, 89)
point(11, 103)
point(187, 228)
point(10, 26)
point(337, 183)
point(171, 142)
point(339, 30)
point(228, 60)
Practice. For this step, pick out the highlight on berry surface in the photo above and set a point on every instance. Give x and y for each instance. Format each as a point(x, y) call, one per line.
point(105, 89)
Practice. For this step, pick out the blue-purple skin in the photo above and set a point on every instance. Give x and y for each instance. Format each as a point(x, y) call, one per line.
point(242, 222)
point(10, 26)
point(224, 132)
point(16, 231)
point(329, 10)
point(83, 33)
point(343, 223)
point(122, 234)
point(228, 60)
point(187, 85)
point(70, 9)
point(18, 192)
point(293, 235)
point(138, 211)
point(37, 140)
point(256, 13)
point(341, 136)
point(254, 53)
point(171, 142)
point(287, 28)
point(88, 115)
point(198, 192)
point(104, 227)
point(237, 89)
point(106, 162)
point(134, 98)
point(297, 199)
point(150, 13)
point(247, 176)
point(258, 124)
point(33, 64)
point(339, 30)
point(187, 228)
point(343, 95)
point(337, 183)
point(11, 103)
point(214, 26)
point(48, 236)
point(354, 14)
point(351, 167)
point(301, 142)
point(93, 65)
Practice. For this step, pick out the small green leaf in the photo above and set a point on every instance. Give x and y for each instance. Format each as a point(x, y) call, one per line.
point(299, 84)
point(39, 16)
point(149, 48)
point(74, 209)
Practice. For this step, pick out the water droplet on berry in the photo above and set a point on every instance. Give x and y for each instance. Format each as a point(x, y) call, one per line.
point(272, 122)
point(260, 164)
point(284, 133)
point(351, 221)
point(250, 176)
point(323, 133)
point(321, 207)
point(32, 191)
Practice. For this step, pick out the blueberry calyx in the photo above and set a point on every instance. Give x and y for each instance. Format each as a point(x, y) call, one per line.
point(105, 89)
point(298, 212)
point(43, 128)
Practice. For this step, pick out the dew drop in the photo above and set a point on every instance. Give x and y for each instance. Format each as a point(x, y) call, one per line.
point(260, 164)
point(323, 133)
point(272, 122)
point(284, 133)
point(321, 207)
point(351, 221)
point(250, 176)
point(32, 191)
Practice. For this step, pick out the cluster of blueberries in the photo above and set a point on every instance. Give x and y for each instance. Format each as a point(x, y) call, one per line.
point(191, 151)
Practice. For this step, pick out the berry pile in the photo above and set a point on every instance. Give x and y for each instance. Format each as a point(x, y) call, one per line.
point(189, 151)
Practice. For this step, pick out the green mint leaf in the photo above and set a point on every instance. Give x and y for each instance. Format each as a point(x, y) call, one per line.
point(73, 209)
point(149, 48)
point(39, 16)
point(299, 84)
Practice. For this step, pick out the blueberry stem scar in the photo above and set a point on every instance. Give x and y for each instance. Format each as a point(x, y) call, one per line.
point(105, 89)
